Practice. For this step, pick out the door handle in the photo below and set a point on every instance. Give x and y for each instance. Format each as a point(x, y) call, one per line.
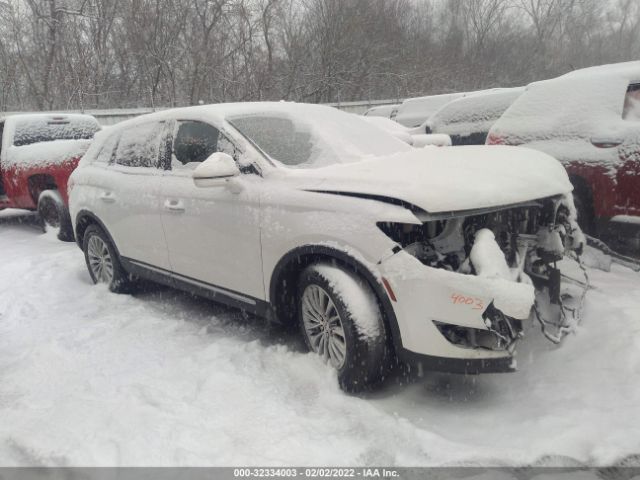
point(107, 197)
point(174, 205)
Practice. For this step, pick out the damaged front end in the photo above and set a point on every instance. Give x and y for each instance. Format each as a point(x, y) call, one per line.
point(505, 261)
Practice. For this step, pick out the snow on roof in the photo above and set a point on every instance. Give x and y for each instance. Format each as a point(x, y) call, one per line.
point(473, 113)
point(218, 112)
point(322, 133)
point(576, 105)
point(413, 111)
point(40, 116)
point(627, 70)
point(381, 111)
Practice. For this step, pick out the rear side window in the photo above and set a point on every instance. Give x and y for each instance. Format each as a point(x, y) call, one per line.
point(46, 129)
point(140, 146)
point(631, 109)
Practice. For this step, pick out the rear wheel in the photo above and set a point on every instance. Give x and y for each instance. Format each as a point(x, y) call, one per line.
point(583, 201)
point(341, 321)
point(584, 210)
point(55, 214)
point(102, 261)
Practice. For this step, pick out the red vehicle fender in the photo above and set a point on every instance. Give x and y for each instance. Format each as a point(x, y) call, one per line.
point(24, 194)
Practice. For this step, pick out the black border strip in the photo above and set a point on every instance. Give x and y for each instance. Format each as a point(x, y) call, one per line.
point(623, 469)
point(198, 287)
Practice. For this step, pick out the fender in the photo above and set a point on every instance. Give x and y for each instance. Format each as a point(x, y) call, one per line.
point(296, 255)
point(84, 214)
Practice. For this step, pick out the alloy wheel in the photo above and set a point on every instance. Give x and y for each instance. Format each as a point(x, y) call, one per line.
point(323, 325)
point(100, 261)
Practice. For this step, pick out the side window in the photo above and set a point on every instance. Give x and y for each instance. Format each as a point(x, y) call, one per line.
point(195, 141)
point(631, 110)
point(139, 146)
point(105, 155)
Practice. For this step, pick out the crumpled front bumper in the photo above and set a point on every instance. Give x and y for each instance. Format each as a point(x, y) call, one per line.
point(424, 295)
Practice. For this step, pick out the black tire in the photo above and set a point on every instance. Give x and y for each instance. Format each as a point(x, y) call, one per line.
point(55, 214)
point(120, 281)
point(367, 358)
point(584, 209)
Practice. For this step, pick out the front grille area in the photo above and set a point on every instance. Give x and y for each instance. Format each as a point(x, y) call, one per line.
point(506, 225)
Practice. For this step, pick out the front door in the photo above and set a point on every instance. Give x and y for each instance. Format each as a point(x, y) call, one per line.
point(212, 233)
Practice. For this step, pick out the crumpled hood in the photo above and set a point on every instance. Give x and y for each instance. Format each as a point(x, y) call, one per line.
point(446, 179)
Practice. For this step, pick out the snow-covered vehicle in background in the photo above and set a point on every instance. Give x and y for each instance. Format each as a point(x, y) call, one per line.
point(413, 112)
point(467, 120)
point(589, 120)
point(38, 153)
point(381, 111)
point(313, 217)
point(408, 135)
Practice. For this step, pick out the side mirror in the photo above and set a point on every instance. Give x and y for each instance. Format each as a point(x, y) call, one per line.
point(215, 170)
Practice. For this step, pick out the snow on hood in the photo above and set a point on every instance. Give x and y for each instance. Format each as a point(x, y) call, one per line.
point(446, 179)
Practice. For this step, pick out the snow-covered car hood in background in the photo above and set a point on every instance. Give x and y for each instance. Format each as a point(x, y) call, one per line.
point(445, 179)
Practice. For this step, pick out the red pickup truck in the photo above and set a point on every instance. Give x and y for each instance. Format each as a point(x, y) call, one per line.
point(588, 119)
point(38, 152)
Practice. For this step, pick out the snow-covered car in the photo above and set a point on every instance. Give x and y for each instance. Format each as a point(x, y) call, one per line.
point(381, 111)
point(467, 120)
point(588, 119)
point(308, 215)
point(38, 152)
point(407, 135)
point(413, 112)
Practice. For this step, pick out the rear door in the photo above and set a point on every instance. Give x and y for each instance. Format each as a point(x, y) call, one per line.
point(129, 195)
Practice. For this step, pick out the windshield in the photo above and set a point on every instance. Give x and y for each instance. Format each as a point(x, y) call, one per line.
point(315, 137)
point(482, 108)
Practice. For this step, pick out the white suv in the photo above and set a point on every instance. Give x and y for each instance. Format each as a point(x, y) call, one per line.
point(305, 214)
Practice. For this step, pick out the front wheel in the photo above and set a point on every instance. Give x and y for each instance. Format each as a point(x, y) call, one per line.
point(102, 261)
point(341, 321)
point(54, 214)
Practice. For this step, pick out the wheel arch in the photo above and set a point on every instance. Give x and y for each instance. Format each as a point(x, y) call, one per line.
point(38, 183)
point(284, 282)
point(84, 218)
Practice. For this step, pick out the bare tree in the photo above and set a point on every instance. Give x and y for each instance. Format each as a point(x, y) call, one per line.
point(104, 53)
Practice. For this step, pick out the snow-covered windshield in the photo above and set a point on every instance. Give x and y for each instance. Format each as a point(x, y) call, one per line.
point(475, 111)
point(315, 137)
point(37, 129)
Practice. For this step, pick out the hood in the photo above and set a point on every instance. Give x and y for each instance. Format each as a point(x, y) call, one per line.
point(446, 179)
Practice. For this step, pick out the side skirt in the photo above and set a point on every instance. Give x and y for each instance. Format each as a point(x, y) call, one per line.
point(218, 294)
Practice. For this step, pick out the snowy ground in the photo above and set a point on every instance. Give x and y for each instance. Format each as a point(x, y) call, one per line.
point(92, 378)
